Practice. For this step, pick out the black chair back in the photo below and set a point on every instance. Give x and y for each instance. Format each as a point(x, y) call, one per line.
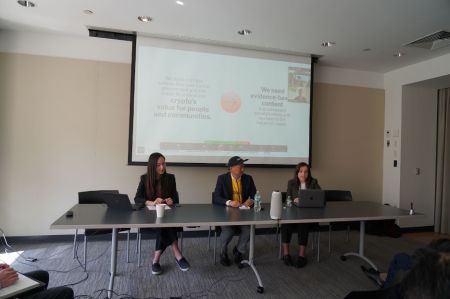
point(338, 195)
point(283, 196)
point(93, 197)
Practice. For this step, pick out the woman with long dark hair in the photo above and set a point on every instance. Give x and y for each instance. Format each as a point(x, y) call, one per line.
point(302, 180)
point(156, 187)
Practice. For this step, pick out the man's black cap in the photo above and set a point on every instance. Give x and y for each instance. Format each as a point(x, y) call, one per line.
point(236, 160)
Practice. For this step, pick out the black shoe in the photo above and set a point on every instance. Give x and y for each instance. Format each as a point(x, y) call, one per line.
point(224, 260)
point(287, 260)
point(373, 275)
point(156, 269)
point(301, 262)
point(183, 264)
point(237, 256)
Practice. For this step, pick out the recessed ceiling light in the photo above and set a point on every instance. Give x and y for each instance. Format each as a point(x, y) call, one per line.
point(399, 54)
point(245, 32)
point(145, 19)
point(328, 44)
point(26, 3)
point(179, 2)
point(88, 12)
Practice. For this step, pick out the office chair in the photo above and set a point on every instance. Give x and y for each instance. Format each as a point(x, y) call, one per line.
point(337, 195)
point(95, 197)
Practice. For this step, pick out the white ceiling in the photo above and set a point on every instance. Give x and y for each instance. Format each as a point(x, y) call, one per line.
point(287, 25)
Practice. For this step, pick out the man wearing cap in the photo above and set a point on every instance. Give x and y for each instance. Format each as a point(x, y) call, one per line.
point(234, 189)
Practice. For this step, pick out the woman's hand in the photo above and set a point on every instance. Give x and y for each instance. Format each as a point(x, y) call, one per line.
point(158, 201)
point(154, 202)
point(169, 201)
point(296, 200)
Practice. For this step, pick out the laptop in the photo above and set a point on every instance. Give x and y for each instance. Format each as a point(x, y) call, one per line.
point(116, 201)
point(311, 198)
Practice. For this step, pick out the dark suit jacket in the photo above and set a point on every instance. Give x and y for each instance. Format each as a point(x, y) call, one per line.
point(224, 188)
point(292, 187)
point(171, 190)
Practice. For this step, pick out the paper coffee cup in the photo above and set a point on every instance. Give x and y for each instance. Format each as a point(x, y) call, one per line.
point(160, 210)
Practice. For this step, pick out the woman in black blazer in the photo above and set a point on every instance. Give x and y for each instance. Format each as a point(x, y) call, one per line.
point(302, 180)
point(156, 187)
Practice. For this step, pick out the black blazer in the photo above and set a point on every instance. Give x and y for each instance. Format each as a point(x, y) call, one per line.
point(171, 190)
point(224, 188)
point(292, 187)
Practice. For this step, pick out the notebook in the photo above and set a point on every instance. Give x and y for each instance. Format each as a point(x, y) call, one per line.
point(311, 198)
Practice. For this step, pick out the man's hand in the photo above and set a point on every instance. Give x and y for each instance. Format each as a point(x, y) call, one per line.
point(4, 266)
point(296, 200)
point(234, 204)
point(8, 276)
point(169, 201)
point(248, 202)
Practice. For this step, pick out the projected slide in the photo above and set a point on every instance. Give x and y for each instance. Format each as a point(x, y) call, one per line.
point(199, 107)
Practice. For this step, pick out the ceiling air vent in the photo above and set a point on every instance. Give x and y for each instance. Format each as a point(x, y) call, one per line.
point(433, 41)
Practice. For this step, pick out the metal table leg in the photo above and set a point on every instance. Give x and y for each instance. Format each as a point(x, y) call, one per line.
point(360, 254)
point(113, 262)
point(260, 288)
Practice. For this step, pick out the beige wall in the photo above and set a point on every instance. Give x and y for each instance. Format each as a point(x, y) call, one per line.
point(347, 137)
point(64, 128)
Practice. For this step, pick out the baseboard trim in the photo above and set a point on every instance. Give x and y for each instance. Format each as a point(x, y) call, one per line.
point(419, 229)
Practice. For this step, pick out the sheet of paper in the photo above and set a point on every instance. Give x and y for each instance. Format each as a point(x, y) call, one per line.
point(244, 208)
point(153, 208)
point(22, 284)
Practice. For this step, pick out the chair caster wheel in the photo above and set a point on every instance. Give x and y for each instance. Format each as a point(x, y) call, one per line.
point(343, 258)
point(260, 290)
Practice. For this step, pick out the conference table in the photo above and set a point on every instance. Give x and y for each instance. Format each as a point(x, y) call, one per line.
point(98, 216)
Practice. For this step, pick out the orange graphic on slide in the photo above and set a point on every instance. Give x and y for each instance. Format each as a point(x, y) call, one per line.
point(231, 102)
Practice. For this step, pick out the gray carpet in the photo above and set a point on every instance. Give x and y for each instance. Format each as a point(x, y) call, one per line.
point(330, 278)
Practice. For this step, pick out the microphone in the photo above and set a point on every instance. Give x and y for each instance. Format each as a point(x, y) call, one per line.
point(411, 211)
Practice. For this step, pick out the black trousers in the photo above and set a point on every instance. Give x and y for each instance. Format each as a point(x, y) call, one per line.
point(301, 228)
point(43, 292)
point(165, 237)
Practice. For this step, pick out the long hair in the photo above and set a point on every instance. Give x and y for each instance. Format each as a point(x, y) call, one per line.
point(429, 276)
point(152, 177)
point(297, 170)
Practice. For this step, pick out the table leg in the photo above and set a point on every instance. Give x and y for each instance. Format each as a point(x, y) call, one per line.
point(113, 265)
point(360, 254)
point(260, 288)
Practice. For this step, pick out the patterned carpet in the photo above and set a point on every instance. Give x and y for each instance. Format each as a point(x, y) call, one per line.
point(329, 278)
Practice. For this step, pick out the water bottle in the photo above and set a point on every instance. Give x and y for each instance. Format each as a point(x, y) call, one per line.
point(257, 204)
point(289, 202)
point(411, 211)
